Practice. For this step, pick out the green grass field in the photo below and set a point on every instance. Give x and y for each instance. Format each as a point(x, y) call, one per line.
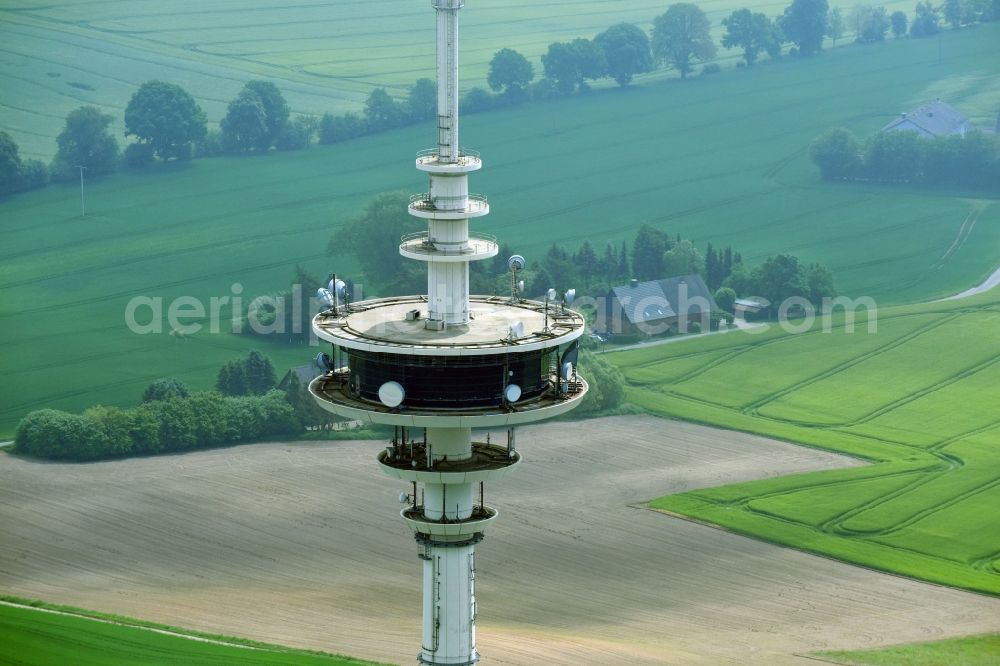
point(36, 638)
point(970, 651)
point(719, 159)
point(324, 56)
point(917, 399)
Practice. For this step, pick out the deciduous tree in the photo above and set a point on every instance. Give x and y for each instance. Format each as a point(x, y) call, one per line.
point(681, 35)
point(835, 25)
point(804, 23)
point(510, 72)
point(244, 127)
point(85, 141)
point(753, 32)
point(837, 154)
point(898, 20)
point(167, 117)
point(626, 51)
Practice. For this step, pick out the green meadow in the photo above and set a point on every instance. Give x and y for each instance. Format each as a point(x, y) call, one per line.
point(34, 638)
point(718, 159)
point(325, 56)
point(968, 651)
point(916, 399)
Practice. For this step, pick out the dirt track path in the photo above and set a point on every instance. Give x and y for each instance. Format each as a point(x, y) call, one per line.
point(301, 544)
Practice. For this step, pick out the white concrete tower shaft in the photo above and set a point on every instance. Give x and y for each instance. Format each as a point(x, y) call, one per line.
point(447, 205)
point(447, 77)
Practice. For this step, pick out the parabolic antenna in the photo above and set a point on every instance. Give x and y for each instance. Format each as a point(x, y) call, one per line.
point(325, 295)
point(551, 294)
point(516, 263)
point(337, 287)
point(391, 394)
point(512, 393)
point(517, 330)
point(323, 362)
point(570, 296)
point(567, 371)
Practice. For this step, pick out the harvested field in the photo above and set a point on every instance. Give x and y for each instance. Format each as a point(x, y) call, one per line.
point(300, 544)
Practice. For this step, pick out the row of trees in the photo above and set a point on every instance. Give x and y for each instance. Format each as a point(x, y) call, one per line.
point(178, 423)
point(972, 160)
point(166, 123)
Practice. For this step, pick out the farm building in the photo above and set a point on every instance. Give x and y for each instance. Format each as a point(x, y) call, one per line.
point(303, 373)
point(931, 120)
point(656, 307)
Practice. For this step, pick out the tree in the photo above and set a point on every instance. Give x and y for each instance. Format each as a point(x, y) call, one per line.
point(421, 102)
point(954, 13)
point(819, 281)
point(570, 64)
point(895, 156)
point(334, 129)
point(165, 389)
point(85, 141)
point(683, 259)
point(681, 35)
point(607, 385)
point(725, 298)
point(275, 110)
point(753, 32)
point(10, 164)
point(837, 154)
point(835, 25)
point(561, 66)
point(779, 278)
point(510, 72)
point(372, 238)
point(244, 126)
point(232, 379)
point(259, 373)
point(926, 20)
point(167, 117)
point(870, 24)
point(381, 111)
point(898, 21)
point(626, 51)
point(297, 134)
point(804, 23)
point(648, 249)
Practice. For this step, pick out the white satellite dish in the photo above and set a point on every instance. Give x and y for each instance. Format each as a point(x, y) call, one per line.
point(567, 371)
point(391, 394)
point(404, 498)
point(551, 294)
point(323, 362)
point(516, 263)
point(512, 393)
point(520, 285)
point(517, 330)
point(337, 287)
point(325, 295)
point(570, 296)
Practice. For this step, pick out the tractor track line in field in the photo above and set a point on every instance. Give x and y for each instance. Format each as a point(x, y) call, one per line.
point(139, 627)
point(753, 407)
point(963, 235)
point(920, 515)
point(165, 285)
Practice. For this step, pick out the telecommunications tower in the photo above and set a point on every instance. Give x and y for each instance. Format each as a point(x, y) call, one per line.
point(438, 366)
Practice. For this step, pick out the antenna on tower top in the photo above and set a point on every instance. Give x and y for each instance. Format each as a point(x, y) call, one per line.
point(515, 263)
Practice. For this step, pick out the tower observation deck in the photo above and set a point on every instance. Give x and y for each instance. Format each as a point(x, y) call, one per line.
point(441, 364)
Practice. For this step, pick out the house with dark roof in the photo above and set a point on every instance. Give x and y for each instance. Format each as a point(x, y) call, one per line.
point(303, 373)
point(931, 120)
point(656, 307)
